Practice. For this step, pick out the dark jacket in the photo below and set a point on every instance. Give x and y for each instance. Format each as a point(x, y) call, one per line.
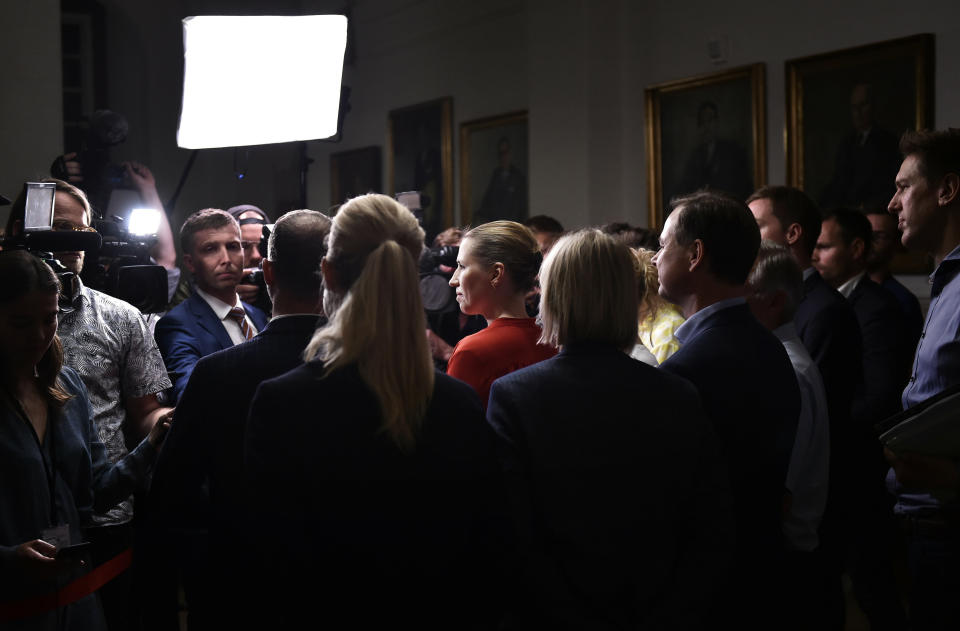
point(886, 354)
point(619, 494)
point(828, 327)
point(197, 499)
point(750, 392)
point(192, 330)
point(354, 531)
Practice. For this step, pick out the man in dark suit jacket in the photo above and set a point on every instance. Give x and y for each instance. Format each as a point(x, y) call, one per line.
point(744, 377)
point(841, 257)
point(199, 485)
point(884, 247)
point(213, 317)
point(829, 330)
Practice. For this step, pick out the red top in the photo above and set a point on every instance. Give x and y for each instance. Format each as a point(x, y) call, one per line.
point(507, 344)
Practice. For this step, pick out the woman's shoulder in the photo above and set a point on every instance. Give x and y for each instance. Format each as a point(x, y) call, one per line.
point(502, 331)
point(70, 381)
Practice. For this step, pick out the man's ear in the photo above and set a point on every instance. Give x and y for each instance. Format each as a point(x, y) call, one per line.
point(188, 261)
point(778, 300)
point(858, 248)
point(267, 266)
point(695, 253)
point(949, 189)
point(329, 275)
point(793, 233)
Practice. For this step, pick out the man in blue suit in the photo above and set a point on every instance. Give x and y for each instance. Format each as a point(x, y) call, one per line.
point(198, 486)
point(745, 379)
point(213, 317)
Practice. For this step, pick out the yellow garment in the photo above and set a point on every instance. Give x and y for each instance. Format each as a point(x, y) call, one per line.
point(656, 331)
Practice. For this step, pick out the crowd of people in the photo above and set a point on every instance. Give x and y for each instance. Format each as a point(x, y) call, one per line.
point(615, 428)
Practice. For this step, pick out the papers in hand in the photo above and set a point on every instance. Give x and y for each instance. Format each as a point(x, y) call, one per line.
point(931, 427)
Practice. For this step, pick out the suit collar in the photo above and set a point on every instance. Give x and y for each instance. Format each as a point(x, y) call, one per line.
point(300, 323)
point(590, 348)
point(708, 316)
point(208, 320)
point(848, 288)
point(219, 307)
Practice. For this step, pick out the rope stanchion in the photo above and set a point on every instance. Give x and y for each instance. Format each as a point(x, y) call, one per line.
point(69, 593)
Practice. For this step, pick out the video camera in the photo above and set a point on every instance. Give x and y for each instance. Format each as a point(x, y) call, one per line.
point(256, 276)
point(122, 266)
point(117, 254)
point(435, 290)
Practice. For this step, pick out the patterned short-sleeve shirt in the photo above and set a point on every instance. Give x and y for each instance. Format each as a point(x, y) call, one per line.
point(107, 342)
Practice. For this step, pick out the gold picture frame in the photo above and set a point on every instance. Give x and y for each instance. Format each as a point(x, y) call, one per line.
point(491, 189)
point(706, 131)
point(420, 158)
point(884, 88)
point(354, 172)
point(826, 97)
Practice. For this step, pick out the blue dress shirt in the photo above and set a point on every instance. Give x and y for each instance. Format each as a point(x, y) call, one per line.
point(936, 365)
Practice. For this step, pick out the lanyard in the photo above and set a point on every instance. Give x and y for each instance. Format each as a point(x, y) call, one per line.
point(50, 469)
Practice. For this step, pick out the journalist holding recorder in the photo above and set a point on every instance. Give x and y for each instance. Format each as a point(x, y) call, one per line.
point(55, 470)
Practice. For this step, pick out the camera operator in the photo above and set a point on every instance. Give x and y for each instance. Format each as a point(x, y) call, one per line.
point(252, 289)
point(106, 341)
point(135, 174)
point(447, 324)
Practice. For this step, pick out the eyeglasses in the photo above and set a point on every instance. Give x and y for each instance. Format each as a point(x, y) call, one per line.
point(66, 226)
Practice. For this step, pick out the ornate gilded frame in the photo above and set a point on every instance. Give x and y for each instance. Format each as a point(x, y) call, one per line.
point(364, 162)
point(442, 108)
point(918, 48)
point(755, 75)
point(466, 130)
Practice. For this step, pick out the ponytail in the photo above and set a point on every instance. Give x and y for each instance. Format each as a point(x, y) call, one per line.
point(380, 326)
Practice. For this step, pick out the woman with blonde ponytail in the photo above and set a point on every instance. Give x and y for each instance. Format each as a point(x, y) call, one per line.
point(372, 475)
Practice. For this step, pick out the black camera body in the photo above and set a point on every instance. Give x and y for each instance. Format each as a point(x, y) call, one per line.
point(122, 267)
point(437, 294)
point(255, 277)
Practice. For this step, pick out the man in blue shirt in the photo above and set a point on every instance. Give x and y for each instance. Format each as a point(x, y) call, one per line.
point(927, 205)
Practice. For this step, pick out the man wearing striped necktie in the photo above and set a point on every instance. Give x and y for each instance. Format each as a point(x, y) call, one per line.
point(213, 317)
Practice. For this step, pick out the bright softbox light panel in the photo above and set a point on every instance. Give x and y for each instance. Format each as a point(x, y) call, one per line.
point(254, 80)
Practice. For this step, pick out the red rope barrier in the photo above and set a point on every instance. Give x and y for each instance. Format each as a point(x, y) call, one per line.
point(70, 593)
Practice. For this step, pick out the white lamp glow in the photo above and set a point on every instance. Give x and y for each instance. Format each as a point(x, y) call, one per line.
point(143, 222)
point(253, 80)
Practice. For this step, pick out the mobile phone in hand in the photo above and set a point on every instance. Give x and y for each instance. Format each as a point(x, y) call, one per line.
point(74, 552)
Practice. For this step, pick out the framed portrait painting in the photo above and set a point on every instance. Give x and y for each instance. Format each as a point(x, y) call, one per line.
point(846, 111)
point(493, 169)
point(355, 172)
point(420, 158)
point(705, 132)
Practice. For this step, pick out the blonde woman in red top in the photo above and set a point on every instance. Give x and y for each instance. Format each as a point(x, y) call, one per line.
point(496, 267)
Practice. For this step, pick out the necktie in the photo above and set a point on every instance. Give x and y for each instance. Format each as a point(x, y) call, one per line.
point(237, 314)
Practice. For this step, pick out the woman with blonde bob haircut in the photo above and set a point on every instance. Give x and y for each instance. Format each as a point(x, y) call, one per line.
point(575, 437)
point(381, 465)
point(497, 266)
point(589, 292)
